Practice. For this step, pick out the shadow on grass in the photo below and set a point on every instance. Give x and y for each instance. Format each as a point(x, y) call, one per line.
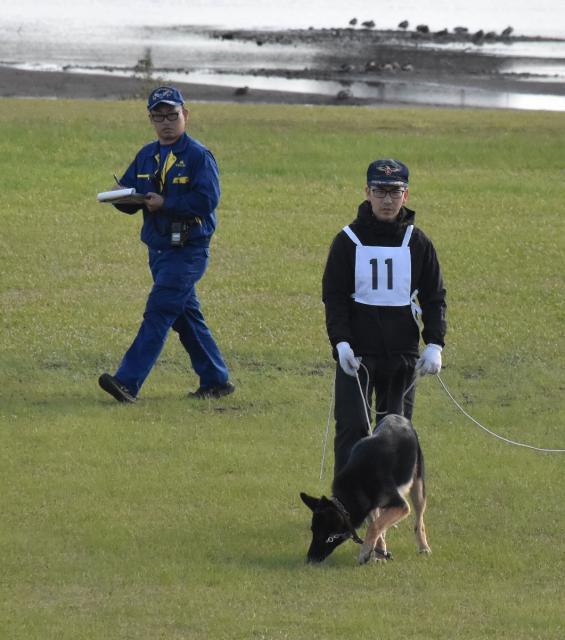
point(282, 547)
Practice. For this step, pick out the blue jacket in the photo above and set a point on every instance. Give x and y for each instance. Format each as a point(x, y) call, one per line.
point(188, 181)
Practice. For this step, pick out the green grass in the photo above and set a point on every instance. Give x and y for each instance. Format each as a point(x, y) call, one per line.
point(175, 519)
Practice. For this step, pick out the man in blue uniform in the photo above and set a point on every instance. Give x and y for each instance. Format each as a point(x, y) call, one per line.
point(179, 178)
point(377, 267)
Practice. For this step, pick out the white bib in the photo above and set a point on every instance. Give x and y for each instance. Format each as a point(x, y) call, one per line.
point(383, 275)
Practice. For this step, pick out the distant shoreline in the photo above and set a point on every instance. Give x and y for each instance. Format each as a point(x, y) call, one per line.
point(344, 56)
point(16, 83)
point(369, 55)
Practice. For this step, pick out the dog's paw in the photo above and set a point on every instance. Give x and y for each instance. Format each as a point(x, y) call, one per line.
point(426, 551)
point(365, 556)
point(374, 555)
point(381, 555)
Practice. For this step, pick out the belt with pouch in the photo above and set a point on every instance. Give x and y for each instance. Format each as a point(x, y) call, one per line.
point(180, 230)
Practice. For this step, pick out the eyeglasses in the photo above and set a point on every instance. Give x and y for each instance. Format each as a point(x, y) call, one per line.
point(161, 117)
point(381, 194)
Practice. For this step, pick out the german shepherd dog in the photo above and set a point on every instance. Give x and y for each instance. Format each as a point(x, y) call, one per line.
point(382, 469)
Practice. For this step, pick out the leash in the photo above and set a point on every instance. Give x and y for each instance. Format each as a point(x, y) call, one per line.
point(492, 433)
point(368, 410)
point(365, 397)
point(366, 407)
point(327, 428)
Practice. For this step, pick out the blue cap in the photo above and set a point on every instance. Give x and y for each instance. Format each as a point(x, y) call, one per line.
point(168, 95)
point(387, 172)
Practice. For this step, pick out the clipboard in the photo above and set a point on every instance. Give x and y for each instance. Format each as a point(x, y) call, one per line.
point(121, 196)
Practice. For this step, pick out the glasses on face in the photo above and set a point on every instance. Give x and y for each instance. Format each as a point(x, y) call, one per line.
point(381, 194)
point(161, 117)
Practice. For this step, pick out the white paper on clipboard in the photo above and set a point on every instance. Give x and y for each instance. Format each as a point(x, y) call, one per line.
point(121, 196)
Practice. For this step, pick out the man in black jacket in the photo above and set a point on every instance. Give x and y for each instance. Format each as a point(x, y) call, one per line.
point(380, 270)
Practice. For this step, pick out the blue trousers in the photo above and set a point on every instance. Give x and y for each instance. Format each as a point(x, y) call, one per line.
point(173, 303)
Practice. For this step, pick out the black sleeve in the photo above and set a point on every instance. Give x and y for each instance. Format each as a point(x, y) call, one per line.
point(338, 285)
point(431, 294)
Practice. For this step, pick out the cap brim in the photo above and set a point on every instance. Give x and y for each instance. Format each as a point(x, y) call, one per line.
point(171, 102)
point(389, 183)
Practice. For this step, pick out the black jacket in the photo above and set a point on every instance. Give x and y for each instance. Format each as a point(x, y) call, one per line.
point(383, 331)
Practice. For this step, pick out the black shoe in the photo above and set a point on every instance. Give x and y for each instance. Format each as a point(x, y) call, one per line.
point(115, 388)
point(213, 392)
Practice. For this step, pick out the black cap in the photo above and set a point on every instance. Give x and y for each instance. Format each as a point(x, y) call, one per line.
point(387, 172)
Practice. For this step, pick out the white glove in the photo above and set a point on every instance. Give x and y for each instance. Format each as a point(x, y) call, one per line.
point(430, 360)
point(347, 360)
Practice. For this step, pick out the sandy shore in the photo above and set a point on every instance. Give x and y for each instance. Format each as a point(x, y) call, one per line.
point(69, 85)
point(345, 56)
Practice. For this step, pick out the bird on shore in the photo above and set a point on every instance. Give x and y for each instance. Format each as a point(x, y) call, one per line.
point(403, 25)
point(369, 24)
point(353, 22)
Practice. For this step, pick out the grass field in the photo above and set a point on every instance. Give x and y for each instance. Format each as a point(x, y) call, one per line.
point(177, 519)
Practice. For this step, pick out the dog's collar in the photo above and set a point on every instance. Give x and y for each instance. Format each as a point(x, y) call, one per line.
point(345, 514)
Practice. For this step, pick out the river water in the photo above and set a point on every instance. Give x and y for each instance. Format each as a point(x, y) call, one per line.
point(56, 34)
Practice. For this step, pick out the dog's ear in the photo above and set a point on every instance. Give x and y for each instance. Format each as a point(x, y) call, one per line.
point(311, 502)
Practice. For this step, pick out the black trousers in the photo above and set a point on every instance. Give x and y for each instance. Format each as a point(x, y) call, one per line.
point(388, 381)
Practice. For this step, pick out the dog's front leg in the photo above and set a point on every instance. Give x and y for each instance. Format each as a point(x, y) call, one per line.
point(380, 545)
point(380, 548)
point(375, 543)
point(371, 540)
point(377, 529)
